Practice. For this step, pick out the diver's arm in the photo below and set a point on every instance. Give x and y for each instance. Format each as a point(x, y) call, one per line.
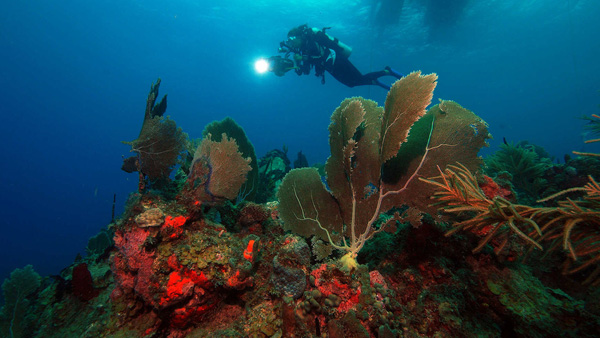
point(302, 64)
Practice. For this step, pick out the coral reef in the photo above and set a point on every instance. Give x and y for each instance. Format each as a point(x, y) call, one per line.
point(184, 260)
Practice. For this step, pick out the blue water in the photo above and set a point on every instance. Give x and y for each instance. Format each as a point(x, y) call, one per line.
point(74, 76)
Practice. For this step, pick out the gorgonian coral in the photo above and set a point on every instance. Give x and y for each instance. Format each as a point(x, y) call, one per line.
point(573, 225)
point(376, 155)
point(160, 142)
point(218, 171)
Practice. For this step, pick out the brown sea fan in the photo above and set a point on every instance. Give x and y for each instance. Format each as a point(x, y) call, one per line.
point(362, 184)
point(218, 171)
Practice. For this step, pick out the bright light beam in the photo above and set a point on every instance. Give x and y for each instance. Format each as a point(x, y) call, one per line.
point(262, 66)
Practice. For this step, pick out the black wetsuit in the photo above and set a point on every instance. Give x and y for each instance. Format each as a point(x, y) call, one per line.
point(344, 71)
point(324, 54)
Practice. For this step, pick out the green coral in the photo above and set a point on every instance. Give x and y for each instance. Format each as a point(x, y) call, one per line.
point(382, 246)
point(98, 244)
point(536, 305)
point(272, 169)
point(526, 166)
point(17, 288)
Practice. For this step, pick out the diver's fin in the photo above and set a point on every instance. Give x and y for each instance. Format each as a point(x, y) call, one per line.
point(381, 84)
point(393, 72)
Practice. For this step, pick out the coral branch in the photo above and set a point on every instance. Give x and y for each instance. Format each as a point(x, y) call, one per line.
point(574, 225)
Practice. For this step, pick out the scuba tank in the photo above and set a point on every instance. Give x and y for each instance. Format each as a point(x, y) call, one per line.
point(334, 43)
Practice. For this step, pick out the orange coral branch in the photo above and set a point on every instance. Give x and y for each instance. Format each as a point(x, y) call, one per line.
point(574, 225)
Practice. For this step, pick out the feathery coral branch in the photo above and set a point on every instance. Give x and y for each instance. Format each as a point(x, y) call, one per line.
point(574, 225)
point(459, 194)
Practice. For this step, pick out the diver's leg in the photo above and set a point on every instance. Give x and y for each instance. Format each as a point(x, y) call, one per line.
point(373, 76)
point(345, 72)
point(373, 79)
point(388, 71)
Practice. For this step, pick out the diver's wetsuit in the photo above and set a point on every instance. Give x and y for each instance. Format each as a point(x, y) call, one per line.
point(326, 54)
point(344, 71)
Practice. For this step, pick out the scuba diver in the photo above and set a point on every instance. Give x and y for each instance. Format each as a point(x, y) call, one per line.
point(314, 48)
